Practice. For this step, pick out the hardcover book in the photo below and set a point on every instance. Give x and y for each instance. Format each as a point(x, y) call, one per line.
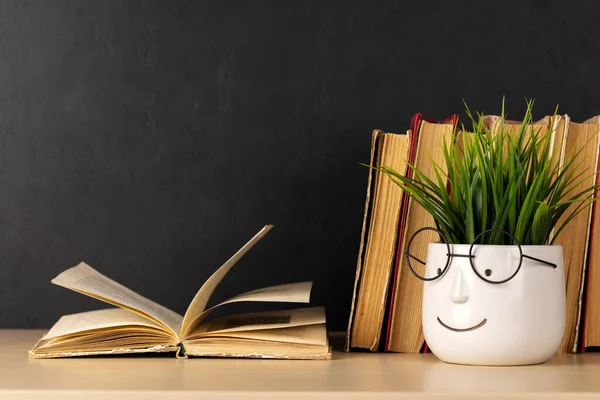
point(377, 241)
point(404, 329)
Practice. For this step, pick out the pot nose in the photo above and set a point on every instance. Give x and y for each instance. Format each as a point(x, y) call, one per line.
point(459, 293)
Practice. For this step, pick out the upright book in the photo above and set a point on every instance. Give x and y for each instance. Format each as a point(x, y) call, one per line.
point(575, 237)
point(404, 331)
point(587, 331)
point(140, 325)
point(575, 143)
point(377, 241)
point(590, 331)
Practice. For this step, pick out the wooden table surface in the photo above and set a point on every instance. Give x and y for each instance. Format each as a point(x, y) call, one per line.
point(346, 376)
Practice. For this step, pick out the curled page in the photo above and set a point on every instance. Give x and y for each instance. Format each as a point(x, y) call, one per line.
point(305, 334)
point(287, 293)
point(261, 321)
point(96, 320)
point(85, 279)
point(198, 304)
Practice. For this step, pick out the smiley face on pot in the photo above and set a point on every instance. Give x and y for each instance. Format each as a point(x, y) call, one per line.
point(489, 304)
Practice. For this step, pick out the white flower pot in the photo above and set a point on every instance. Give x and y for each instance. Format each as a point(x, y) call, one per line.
point(467, 320)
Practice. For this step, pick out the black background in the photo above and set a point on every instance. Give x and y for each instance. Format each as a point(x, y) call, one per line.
point(151, 139)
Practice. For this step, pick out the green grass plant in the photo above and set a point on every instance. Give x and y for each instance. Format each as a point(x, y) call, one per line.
point(502, 181)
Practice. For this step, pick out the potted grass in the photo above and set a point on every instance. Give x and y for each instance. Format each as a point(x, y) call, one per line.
point(494, 290)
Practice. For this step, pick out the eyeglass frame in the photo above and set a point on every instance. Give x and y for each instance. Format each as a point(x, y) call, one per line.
point(449, 256)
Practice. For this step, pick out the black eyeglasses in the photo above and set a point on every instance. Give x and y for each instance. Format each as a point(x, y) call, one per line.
point(496, 268)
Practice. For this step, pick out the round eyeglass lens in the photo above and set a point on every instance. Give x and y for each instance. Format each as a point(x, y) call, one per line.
point(496, 263)
point(424, 265)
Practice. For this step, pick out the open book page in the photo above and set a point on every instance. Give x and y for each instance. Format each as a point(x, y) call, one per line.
point(132, 337)
point(84, 279)
point(108, 331)
point(307, 334)
point(97, 320)
point(199, 302)
point(260, 321)
point(287, 293)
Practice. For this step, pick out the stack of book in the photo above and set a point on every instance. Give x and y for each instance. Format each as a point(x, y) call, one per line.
point(385, 312)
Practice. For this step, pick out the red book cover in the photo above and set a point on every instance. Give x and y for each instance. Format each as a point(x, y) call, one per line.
point(415, 124)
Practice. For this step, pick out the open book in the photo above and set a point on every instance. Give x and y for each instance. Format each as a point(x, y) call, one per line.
point(140, 325)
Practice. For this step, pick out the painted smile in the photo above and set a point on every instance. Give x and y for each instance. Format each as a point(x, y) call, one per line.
point(479, 325)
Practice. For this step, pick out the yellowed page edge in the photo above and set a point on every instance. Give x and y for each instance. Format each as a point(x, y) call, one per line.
point(361, 246)
point(596, 121)
point(153, 349)
point(304, 334)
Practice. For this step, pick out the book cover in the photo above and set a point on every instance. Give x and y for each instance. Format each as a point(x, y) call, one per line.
point(416, 127)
